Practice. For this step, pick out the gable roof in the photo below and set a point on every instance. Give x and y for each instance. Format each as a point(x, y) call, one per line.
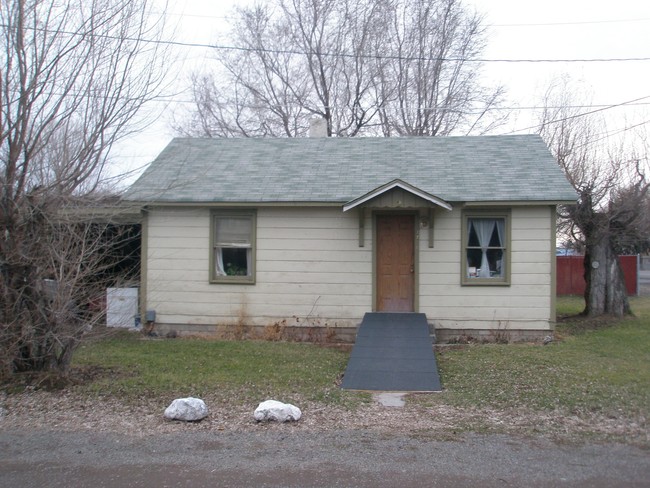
point(432, 199)
point(341, 170)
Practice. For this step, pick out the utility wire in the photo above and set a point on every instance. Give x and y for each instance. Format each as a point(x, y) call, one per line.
point(171, 99)
point(403, 58)
point(335, 55)
point(575, 116)
point(522, 24)
point(607, 135)
point(584, 22)
point(221, 47)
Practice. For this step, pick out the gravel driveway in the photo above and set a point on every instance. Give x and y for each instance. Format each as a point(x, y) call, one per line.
point(64, 440)
point(276, 457)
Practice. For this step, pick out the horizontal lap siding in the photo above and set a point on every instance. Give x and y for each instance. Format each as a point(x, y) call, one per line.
point(308, 263)
point(524, 304)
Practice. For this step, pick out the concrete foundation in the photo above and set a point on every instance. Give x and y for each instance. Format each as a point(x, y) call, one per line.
point(339, 335)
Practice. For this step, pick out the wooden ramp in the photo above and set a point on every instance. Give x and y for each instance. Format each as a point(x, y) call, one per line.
point(393, 352)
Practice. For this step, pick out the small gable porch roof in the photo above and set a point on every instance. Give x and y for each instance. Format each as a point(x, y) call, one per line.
point(363, 199)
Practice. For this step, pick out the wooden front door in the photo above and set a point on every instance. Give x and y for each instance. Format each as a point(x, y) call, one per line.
point(395, 263)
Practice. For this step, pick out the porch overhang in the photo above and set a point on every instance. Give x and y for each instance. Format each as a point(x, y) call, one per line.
point(397, 183)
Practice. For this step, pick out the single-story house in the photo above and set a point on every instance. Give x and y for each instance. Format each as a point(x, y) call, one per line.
point(311, 233)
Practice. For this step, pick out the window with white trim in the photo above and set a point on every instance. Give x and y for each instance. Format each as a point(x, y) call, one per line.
point(485, 249)
point(233, 247)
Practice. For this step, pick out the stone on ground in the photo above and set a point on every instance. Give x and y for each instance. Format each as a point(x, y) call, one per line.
point(390, 398)
point(278, 411)
point(187, 409)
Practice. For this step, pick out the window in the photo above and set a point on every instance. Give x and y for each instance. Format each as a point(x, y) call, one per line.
point(233, 247)
point(486, 257)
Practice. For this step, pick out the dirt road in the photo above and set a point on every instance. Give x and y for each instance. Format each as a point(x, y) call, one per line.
point(276, 458)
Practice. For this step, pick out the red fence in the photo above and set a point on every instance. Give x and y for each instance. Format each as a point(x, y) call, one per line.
point(571, 279)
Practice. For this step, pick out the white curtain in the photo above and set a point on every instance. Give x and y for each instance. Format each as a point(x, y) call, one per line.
point(249, 262)
point(218, 258)
point(469, 233)
point(501, 229)
point(484, 229)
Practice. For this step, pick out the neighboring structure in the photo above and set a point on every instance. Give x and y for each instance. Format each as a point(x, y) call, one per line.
point(315, 232)
point(571, 274)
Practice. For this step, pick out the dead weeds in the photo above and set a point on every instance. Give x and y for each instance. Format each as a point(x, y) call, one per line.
point(52, 381)
point(578, 323)
point(70, 411)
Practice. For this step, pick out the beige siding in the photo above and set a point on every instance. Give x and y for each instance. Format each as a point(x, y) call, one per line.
point(309, 265)
point(525, 304)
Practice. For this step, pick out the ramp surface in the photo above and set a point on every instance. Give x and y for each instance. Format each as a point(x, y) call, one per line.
point(393, 352)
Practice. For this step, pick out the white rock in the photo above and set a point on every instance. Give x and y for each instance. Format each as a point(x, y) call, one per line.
point(278, 411)
point(188, 409)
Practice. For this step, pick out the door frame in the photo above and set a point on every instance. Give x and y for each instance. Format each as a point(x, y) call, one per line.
point(416, 254)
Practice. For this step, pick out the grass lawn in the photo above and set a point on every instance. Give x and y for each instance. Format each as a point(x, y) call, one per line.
point(241, 370)
point(604, 370)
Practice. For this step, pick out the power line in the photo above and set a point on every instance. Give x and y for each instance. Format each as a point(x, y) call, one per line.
point(523, 24)
point(407, 58)
point(199, 16)
point(607, 135)
point(575, 116)
point(594, 106)
point(598, 108)
point(171, 99)
point(585, 22)
point(513, 24)
point(339, 55)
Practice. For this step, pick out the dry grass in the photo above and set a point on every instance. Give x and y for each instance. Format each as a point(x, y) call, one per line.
point(593, 383)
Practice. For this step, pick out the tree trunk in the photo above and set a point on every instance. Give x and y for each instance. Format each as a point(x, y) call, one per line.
point(605, 292)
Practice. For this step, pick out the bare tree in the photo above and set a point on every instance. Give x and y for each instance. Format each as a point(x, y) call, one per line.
point(432, 87)
point(74, 74)
point(367, 67)
point(611, 212)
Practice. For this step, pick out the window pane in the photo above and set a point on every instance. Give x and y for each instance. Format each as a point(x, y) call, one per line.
point(233, 231)
point(495, 240)
point(496, 263)
point(474, 257)
point(235, 261)
point(472, 239)
point(485, 248)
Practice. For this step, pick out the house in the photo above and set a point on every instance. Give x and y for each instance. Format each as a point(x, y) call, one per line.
point(312, 233)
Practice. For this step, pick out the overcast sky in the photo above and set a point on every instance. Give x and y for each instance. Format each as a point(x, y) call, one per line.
point(517, 30)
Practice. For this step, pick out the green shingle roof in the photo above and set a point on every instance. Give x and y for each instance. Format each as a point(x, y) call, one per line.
point(337, 170)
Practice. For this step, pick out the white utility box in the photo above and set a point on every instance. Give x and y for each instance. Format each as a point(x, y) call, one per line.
point(121, 307)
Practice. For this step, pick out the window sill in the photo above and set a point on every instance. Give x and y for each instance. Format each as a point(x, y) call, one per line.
point(484, 282)
point(234, 280)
